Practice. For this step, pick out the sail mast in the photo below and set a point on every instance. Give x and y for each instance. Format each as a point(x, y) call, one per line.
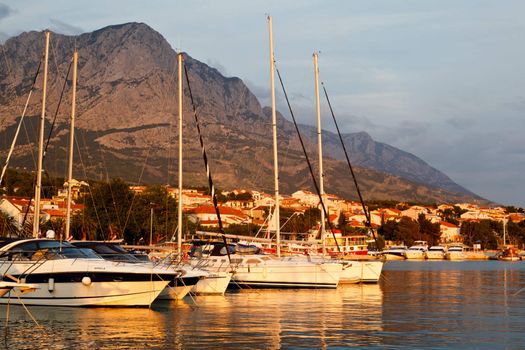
point(179, 220)
point(36, 217)
point(274, 131)
point(71, 142)
point(320, 150)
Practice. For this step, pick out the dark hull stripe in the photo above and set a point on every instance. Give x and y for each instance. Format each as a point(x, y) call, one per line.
point(66, 277)
point(184, 281)
point(24, 297)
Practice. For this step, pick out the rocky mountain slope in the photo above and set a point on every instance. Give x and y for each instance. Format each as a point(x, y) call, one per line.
point(127, 123)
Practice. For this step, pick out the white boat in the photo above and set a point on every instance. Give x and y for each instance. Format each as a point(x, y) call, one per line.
point(417, 250)
point(395, 252)
point(436, 252)
point(66, 275)
point(265, 271)
point(455, 252)
point(361, 271)
point(177, 288)
point(212, 284)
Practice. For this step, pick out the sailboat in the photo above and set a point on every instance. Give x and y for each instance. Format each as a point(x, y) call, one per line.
point(261, 270)
point(202, 282)
point(64, 275)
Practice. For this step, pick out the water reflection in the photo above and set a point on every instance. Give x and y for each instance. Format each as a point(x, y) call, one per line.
point(436, 305)
point(421, 305)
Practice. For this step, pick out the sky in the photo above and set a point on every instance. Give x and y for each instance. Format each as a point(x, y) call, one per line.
point(441, 79)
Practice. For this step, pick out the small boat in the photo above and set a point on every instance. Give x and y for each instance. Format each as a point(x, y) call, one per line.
point(417, 250)
point(395, 252)
point(436, 252)
point(509, 253)
point(455, 252)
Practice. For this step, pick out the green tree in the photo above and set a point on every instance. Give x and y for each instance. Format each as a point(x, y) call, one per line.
point(7, 226)
point(428, 231)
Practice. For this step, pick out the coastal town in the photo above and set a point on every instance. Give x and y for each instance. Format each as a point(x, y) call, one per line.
point(250, 208)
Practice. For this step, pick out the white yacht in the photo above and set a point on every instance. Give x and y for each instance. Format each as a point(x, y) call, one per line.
point(417, 250)
point(436, 252)
point(455, 252)
point(265, 271)
point(65, 275)
point(177, 288)
point(396, 252)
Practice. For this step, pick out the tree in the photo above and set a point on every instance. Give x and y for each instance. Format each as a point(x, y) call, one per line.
point(8, 227)
point(428, 231)
point(342, 223)
point(407, 230)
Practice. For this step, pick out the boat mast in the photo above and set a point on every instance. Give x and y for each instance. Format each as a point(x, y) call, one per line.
point(36, 217)
point(320, 150)
point(71, 142)
point(274, 131)
point(179, 226)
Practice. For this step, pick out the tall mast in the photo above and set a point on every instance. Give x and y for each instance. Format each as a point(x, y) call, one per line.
point(36, 217)
point(179, 231)
point(71, 142)
point(274, 130)
point(320, 150)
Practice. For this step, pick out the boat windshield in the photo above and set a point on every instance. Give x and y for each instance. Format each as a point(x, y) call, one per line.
point(47, 250)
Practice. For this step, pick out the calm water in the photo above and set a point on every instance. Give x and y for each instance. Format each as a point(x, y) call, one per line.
point(435, 305)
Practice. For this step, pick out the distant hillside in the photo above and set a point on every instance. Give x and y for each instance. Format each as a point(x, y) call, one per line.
point(127, 123)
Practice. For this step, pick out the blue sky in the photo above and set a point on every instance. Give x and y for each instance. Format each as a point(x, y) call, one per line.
point(442, 79)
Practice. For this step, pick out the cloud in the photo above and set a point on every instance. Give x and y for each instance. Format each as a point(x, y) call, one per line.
point(5, 11)
point(217, 65)
point(65, 28)
point(460, 122)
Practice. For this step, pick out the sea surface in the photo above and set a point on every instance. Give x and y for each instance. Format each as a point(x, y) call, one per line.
point(416, 305)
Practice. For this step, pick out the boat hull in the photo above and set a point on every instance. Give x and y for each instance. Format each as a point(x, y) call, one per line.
point(139, 294)
point(435, 255)
point(214, 284)
point(415, 255)
point(394, 256)
point(361, 272)
point(322, 275)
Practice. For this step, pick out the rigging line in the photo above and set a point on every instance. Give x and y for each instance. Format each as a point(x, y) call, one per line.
point(85, 176)
point(308, 161)
point(367, 214)
point(49, 135)
point(206, 165)
point(57, 109)
point(20, 123)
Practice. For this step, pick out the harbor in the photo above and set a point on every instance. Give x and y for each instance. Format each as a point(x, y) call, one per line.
point(461, 305)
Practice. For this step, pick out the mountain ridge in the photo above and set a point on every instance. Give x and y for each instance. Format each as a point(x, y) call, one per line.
point(127, 113)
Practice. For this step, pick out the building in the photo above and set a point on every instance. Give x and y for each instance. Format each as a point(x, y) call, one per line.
point(205, 215)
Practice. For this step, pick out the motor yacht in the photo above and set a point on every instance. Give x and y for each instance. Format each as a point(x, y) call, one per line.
point(455, 252)
point(417, 250)
point(66, 275)
point(177, 288)
point(395, 252)
point(436, 252)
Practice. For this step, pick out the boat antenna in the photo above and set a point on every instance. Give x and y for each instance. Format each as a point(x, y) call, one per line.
point(206, 164)
point(367, 214)
point(308, 161)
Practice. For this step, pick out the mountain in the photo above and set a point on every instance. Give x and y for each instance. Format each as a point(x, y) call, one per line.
point(127, 123)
